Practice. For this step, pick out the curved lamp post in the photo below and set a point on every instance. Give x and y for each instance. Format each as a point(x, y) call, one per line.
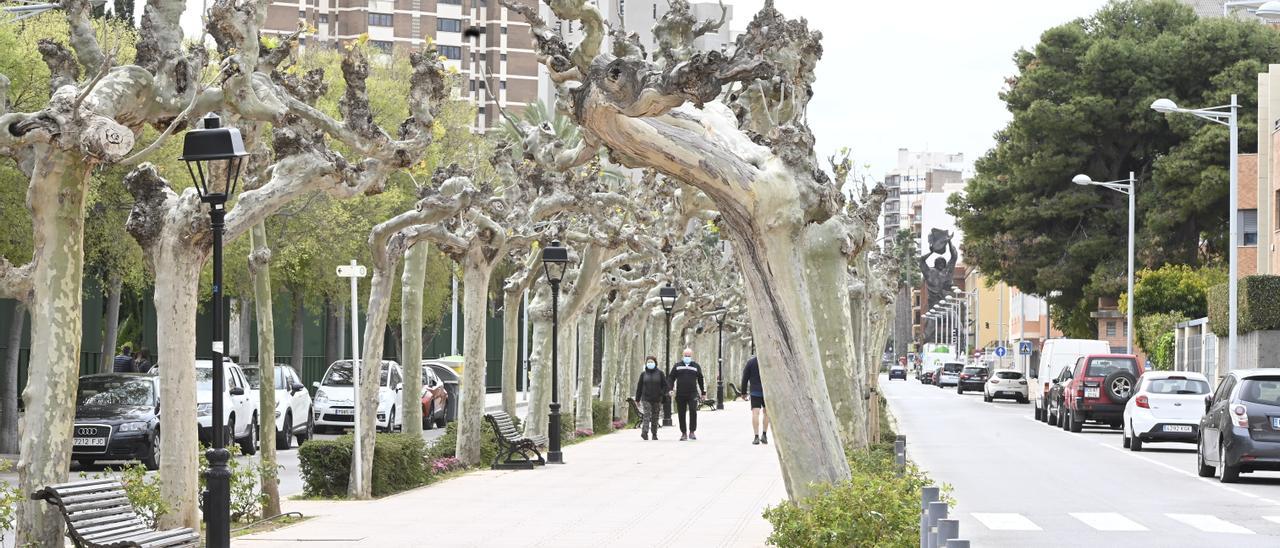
point(720, 314)
point(204, 150)
point(1127, 187)
point(555, 260)
point(668, 295)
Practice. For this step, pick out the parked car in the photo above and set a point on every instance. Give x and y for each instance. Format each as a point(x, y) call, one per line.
point(898, 372)
point(1056, 356)
point(334, 402)
point(435, 399)
point(1098, 389)
point(1168, 406)
point(1006, 385)
point(293, 403)
point(1240, 431)
point(972, 377)
point(949, 374)
point(117, 418)
point(239, 411)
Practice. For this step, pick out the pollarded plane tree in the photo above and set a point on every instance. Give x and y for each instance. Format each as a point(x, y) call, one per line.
point(732, 126)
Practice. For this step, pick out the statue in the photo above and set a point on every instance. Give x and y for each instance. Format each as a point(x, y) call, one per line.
point(937, 278)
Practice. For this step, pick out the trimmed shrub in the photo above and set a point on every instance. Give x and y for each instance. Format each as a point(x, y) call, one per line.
point(447, 445)
point(1259, 302)
point(1151, 327)
point(398, 464)
point(1162, 357)
point(601, 416)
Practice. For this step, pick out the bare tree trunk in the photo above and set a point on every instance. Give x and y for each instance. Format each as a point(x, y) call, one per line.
point(56, 199)
point(375, 328)
point(342, 333)
point(535, 422)
point(827, 267)
point(333, 327)
point(586, 372)
point(112, 327)
point(260, 269)
point(611, 362)
point(475, 291)
point(9, 388)
point(299, 330)
point(245, 326)
point(411, 281)
point(510, 349)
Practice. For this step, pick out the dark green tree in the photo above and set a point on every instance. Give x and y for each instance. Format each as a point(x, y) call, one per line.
point(1081, 104)
point(123, 10)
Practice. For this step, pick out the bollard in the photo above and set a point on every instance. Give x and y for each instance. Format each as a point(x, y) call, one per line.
point(899, 456)
point(937, 512)
point(927, 495)
point(957, 543)
point(947, 529)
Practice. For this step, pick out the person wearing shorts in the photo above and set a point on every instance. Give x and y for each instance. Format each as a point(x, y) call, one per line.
point(755, 391)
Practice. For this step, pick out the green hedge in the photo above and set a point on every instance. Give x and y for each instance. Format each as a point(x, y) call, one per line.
point(601, 416)
point(447, 445)
point(1259, 302)
point(398, 464)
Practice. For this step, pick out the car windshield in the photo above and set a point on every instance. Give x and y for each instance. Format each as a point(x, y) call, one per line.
point(114, 391)
point(1178, 385)
point(253, 375)
point(975, 370)
point(952, 367)
point(1265, 391)
point(339, 374)
point(1101, 367)
point(1009, 375)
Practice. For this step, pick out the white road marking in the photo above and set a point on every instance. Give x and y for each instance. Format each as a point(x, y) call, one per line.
point(1108, 521)
point(1272, 519)
point(1187, 473)
point(1210, 524)
point(1005, 522)
point(1152, 461)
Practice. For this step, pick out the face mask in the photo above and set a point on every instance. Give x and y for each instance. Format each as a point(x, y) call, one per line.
point(687, 360)
point(651, 365)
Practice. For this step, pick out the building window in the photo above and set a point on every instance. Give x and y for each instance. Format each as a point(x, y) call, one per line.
point(503, 58)
point(503, 84)
point(655, 10)
point(450, 52)
point(382, 45)
point(504, 30)
point(380, 20)
point(622, 9)
point(473, 86)
point(449, 25)
point(302, 14)
point(1248, 227)
point(454, 2)
point(324, 18)
point(1111, 328)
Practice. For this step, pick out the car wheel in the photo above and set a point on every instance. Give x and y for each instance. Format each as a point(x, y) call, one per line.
point(1124, 440)
point(1051, 418)
point(427, 421)
point(1135, 443)
point(310, 430)
point(284, 438)
point(986, 398)
point(442, 421)
point(1202, 469)
point(1023, 400)
point(249, 445)
point(959, 390)
point(1076, 424)
point(152, 460)
point(1226, 473)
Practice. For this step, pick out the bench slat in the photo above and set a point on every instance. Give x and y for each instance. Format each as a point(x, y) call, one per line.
point(92, 502)
point(117, 534)
point(79, 486)
point(172, 537)
point(81, 517)
point(91, 497)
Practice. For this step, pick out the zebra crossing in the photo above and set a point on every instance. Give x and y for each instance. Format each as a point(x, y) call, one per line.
point(1117, 522)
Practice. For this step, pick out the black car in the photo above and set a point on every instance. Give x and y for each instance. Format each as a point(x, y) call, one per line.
point(972, 378)
point(1240, 431)
point(898, 372)
point(117, 418)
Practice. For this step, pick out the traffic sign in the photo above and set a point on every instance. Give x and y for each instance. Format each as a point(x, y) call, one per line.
point(352, 271)
point(1000, 351)
point(1024, 348)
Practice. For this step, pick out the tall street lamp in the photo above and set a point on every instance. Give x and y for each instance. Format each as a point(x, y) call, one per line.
point(203, 150)
point(1227, 116)
point(720, 316)
point(668, 296)
point(1128, 187)
point(555, 260)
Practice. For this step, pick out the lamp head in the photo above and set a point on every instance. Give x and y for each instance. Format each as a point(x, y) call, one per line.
point(668, 295)
point(1082, 179)
point(555, 260)
point(213, 143)
point(1163, 105)
point(720, 314)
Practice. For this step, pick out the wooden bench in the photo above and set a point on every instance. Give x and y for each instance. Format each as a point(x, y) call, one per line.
point(731, 392)
point(511, 443)
point(99, 514)
point(709, 403)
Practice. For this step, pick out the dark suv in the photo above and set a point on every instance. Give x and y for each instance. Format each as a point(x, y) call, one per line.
point(1240, 431)
point(972, 378)
point(1099, 386)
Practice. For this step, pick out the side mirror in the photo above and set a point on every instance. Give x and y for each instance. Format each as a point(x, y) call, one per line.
point(296, 387)
point(315, 384)
point(399, 387)
point(237, 391)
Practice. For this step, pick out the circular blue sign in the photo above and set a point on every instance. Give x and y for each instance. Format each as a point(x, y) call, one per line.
point(1000, 351)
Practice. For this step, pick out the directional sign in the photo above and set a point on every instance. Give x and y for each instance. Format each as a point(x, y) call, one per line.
point(1024, 348)
point(1000, 351)
point(352, 271)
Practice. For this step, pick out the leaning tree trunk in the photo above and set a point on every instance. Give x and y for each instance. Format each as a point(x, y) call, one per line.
point(112, 327)
point(476, 271)
point(586, 369)
point(411, 281)
point(826, 266)
point(375, 329)
point(56, 199)
point(9, 382)
point(260, 269)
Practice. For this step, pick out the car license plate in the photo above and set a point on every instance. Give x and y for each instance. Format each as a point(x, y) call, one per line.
point(343, 411)
point(1091, 392)
point(1275, 422)
point(82, 442)
point(1177, 428)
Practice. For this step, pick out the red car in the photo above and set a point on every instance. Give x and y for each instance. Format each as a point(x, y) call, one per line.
point(435, 399)
point(1099, 386)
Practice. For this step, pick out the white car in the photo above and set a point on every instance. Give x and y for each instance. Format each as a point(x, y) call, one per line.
point(293, 403)
point(950, 374)
point(335, 399)
point(239, 411)
point(1167, 406)
point(1005, 384)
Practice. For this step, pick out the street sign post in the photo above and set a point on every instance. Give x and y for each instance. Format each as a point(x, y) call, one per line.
point(355, 272)
point(1024, 348)
point(1001, 351)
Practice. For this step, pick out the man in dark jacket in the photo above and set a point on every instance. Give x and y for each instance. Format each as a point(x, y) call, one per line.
point(649, 392)
point(687, 385)
point(753, 389)
point(124, 362)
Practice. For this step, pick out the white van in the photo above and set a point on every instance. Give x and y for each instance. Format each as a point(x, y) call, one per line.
point(1056, 355)
point(934, 356)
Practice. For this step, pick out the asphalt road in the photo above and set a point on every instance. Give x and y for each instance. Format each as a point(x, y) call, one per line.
point(1019, 482)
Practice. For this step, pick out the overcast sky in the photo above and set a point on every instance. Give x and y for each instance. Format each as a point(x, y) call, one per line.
point(919, 74)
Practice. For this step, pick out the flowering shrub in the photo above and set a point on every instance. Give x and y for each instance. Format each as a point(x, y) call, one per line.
point(445, 464)
point(619, 424)
point(583, 433)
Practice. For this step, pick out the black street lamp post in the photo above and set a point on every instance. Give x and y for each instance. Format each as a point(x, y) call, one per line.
point(720, 315)
point(668, 296)
point(555, 260)
point(201, 148)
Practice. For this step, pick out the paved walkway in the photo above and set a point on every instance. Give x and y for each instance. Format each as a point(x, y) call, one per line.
point(616, 490)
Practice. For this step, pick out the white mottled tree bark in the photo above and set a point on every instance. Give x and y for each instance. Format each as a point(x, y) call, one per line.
point(112, 319)
point(586, 353)
point(476, 271)
point(412, 281)
point(826, 265)
point(535, 420)
point(260, 269)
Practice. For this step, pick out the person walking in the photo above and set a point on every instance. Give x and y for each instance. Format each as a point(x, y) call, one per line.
point(143, 362)
point(687, 387)
point(124, 362)
point(755, 390)
point(649, 392)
